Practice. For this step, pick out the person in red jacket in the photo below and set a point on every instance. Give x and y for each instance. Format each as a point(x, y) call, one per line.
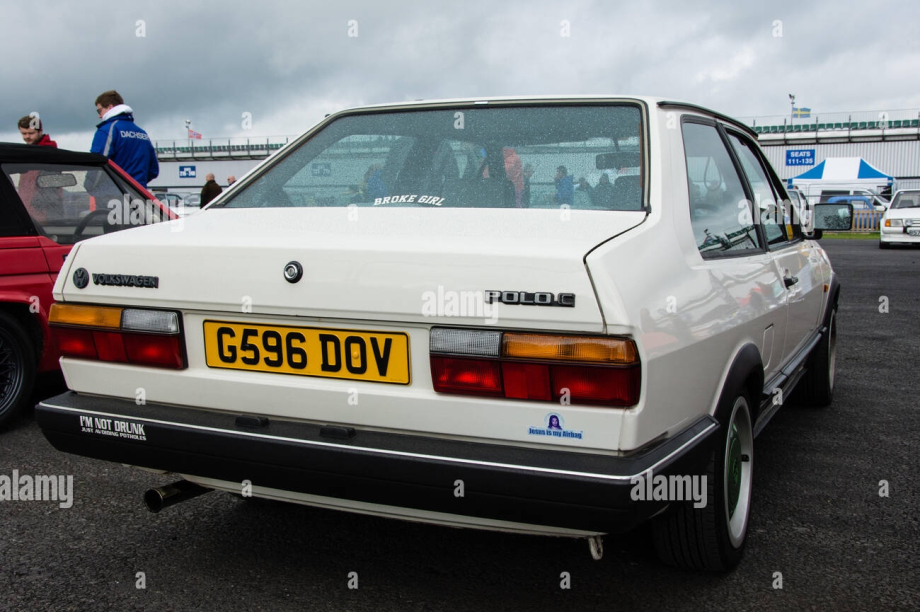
point(30, 127)
point(41, 206)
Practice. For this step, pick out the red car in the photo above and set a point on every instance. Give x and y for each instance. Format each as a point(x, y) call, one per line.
point(50, 199)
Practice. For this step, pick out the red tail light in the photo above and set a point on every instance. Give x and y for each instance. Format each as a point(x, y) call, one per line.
point(132, 336)
point(76, 343)
point(469, 376)
point(590, 370)
point(157, 351)
point(597, 385)
point(110, 346)
point(527, 381)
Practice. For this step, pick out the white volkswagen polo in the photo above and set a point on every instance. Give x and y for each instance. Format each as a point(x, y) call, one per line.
point(541, 315)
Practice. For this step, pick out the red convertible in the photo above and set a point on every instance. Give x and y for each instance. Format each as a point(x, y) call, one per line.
point(51, 199)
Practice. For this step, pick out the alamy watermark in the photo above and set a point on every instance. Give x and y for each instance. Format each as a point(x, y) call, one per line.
point(444, 303)
point(674, 487)
point(37, 488)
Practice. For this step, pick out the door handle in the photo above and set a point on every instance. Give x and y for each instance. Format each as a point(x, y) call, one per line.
point(790, 280)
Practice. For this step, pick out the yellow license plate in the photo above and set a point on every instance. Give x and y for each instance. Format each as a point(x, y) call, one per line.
point(308, 351)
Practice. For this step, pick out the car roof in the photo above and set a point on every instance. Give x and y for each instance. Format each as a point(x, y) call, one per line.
point(487, 99)
point(18, 153)
point(649, 100)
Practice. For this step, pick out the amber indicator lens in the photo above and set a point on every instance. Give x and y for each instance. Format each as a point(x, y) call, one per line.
point(585, 349)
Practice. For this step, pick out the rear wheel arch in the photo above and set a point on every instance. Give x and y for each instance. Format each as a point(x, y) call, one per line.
point(745, 373)
point(834, 293)
point(712, 537)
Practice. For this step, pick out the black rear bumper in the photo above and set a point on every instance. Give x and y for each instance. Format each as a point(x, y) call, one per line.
point(524, 485)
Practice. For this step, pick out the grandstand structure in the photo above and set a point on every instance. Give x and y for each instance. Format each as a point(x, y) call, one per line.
point(184, 164)
point(841, 125)
point(887, 139)
point(220, 148)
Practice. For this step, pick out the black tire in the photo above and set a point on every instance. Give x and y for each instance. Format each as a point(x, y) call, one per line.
point(18, 363)
point(817, 385)
point(713, 538)
point(884, 245)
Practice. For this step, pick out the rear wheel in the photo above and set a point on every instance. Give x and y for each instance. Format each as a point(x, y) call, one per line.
point(713, 537)
point(817, 385)
point(17, 368)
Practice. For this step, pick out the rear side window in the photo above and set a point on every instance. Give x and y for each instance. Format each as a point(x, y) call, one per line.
point(586, 157)
point(775, 219)
point(720, 213)
point(68, 203)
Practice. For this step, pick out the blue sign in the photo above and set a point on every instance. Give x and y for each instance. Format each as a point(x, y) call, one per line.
point(800, 157)
point(322, 169)
point(187, 172)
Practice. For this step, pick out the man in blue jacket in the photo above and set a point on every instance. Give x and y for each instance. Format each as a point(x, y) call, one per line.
point(122, 141)
point(565, 187)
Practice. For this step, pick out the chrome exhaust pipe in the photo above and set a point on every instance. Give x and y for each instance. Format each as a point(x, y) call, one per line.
point(171, 494)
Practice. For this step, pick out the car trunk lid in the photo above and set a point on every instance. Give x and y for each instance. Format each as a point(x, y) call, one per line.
point(418, 265)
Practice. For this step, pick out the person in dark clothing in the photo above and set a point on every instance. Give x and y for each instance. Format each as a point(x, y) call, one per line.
point(121, 140)
point(603, 193)
point(525, 195)
point(210, 190)
point(585, 186)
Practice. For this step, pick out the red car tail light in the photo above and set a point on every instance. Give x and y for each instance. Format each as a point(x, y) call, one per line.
point(530, 381)
point(76, 343)
point(156, 351)
point(467, 376)
point(110, 346)
point(597, 385)
point(120, 335)
point(593, 370)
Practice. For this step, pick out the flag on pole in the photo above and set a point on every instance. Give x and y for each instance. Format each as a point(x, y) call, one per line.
point(801, 113)
point(193, 134)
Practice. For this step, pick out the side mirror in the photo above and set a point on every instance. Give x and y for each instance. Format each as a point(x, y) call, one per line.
point(880, 208)
point(833, 217)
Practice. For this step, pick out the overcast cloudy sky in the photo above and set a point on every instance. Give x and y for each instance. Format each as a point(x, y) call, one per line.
point(289, 63)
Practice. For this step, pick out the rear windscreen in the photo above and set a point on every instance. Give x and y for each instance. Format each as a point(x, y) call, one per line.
point(584, 157)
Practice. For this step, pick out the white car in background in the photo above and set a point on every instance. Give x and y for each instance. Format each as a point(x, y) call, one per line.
point(374, 321)
point(180, 203)
point(901, 222)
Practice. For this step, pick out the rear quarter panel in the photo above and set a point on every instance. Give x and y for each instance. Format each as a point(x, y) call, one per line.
point(684, 312)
